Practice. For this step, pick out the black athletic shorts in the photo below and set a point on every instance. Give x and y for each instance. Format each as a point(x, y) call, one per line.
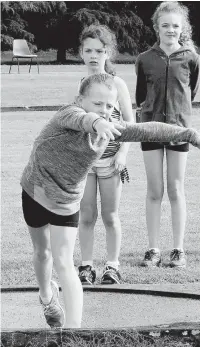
point(150, 146)
point(37, 216)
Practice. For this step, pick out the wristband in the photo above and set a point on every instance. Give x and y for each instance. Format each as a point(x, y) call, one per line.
point(96, 120)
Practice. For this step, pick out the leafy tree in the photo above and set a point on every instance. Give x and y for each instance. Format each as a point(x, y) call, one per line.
point(14, 26)
point(64, 30)
point(47, 32)
point(131, 33)
point(57, 24)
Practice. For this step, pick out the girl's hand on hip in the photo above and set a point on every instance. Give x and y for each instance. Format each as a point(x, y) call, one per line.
point(119, 160)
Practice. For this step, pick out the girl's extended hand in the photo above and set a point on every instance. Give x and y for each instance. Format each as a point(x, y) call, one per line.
point(119, 160)
point(107, 129)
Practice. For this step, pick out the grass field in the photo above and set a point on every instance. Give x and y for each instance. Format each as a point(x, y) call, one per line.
point(50, 56)
point(108, 338)
point(56, 85)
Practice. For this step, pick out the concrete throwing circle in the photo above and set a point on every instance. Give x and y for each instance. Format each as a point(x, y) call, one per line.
point(104, 309)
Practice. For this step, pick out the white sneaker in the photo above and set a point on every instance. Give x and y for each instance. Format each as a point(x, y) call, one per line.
point(53, 312)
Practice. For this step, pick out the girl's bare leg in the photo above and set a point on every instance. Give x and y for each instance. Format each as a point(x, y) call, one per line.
point(42, 260)
point(110, 192)
point(88, 217)
point(176, 166)
point(62, 244)
point(153, 161)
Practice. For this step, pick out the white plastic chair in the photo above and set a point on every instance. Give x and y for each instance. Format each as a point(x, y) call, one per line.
point(21, 50)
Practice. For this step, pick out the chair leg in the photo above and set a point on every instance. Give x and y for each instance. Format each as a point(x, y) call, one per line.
point(30, 65)
point(18, 64)
point(38, 67)
point(11, 64)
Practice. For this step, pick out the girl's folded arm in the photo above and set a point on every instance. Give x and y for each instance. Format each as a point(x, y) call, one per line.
point(195, 77)
point(141, 87)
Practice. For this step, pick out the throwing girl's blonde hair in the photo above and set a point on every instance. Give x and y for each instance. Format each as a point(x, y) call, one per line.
point(101, 78)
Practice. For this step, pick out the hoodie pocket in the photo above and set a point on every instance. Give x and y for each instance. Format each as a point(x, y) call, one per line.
point(184, 73)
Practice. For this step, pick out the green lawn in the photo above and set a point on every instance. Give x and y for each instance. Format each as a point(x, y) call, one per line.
point(54, 85)
point(50, 56)
point(18, 132)
point(111, 339)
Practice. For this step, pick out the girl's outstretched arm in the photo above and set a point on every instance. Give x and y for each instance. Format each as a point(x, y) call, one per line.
point(159, 132)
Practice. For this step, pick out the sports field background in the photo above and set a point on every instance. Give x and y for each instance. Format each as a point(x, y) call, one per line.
point(56, 85)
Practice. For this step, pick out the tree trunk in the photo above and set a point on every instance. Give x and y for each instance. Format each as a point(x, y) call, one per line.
point(61, 55)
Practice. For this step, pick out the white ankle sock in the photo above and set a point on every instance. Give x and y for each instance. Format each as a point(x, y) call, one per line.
point(45, 301)
point(114, 264)
point(87, 262)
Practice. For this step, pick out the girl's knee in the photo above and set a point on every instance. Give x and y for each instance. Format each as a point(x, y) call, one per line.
point(42, 254)
point(111, 219)
point(64, 263)
point(175, 191)
point(88, 215)
point(155, 195)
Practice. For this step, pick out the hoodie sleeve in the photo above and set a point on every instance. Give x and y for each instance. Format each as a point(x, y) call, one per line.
point(195, 76)
point(158, 132)
point(141, 86)
point(75, 118)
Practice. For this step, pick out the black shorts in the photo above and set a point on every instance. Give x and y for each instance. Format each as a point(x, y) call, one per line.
point(150, 146)
point(37, 216)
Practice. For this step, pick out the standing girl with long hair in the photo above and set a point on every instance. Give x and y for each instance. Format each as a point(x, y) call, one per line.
point(97, 46)
point(167, 81)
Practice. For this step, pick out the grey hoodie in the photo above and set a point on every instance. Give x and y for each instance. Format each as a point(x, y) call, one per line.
point(67, 148)
point(167, 85)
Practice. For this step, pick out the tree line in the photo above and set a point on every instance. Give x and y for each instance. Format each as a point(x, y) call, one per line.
point(58, 24)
